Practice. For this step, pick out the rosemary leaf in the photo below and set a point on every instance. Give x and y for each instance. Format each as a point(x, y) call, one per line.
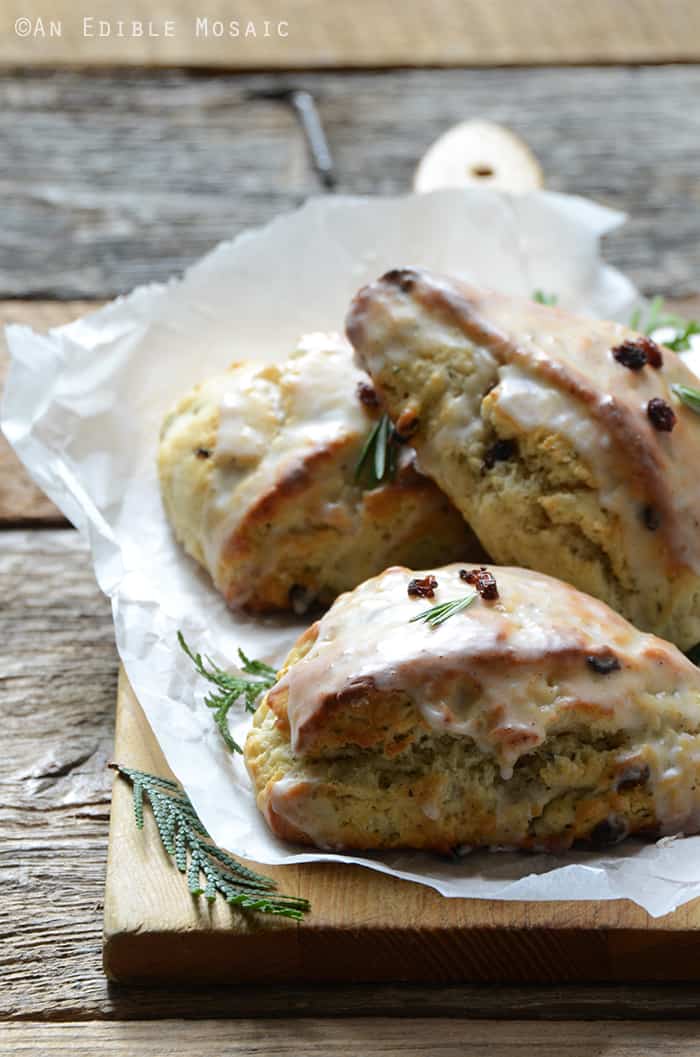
point(657, 319)
point(681, 342)
point(380, 459)
point(378, 456)
point(544, 299)
point(232, 688)
point(184, 837)
point(654, 318)
point(367, 447)
point(689, 396)
point(442, 612)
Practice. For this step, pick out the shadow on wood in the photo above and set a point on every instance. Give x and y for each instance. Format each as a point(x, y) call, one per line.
point(364, 926)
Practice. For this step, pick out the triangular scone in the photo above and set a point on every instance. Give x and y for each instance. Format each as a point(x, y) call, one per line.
point(534, 717)
point(258, 476)
point(559, 438)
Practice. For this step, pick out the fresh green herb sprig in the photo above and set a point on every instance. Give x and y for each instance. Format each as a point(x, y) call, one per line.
point(185, 839)
point(232, 688)
point(543, 298)
point(379, 455)
point(654, 317)
point(681, 342)
point(689, 396)
point(657, 319)
point(442, 612)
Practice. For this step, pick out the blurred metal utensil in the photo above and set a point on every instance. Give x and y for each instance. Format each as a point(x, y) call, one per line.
point(304, 106)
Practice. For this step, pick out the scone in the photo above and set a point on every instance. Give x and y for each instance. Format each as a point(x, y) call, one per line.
point(532, 718)
point(258, 473)
point(559, 438)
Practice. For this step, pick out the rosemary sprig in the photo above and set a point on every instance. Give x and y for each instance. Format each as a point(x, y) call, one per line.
point(378, 457)
point(186, 840)
point(681, 342)
point(442, 612)
point(232, 688)
point(654, 318)
point(689, 396)
point(544, 299)
point(657, 319)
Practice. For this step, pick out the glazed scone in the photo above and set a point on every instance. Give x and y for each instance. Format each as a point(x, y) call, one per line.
point(531, 719)
point(257, 469)
point(559, 438)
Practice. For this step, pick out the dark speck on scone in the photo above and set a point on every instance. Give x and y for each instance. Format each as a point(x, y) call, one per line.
point(503, 449)
point(482, 580)
point(603, 663)
point(300, 598)
point(422, 588)
point(367, 394)
point(661, 415)
point(633, 775)
point(610, 831)
point(651, 518)
point(638, 353)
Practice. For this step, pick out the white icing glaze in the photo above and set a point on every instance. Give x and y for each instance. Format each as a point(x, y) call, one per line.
point(532, 404)
point(270, 420)
point(290, 799)
point(394, 323)
point(537, 634)
point(248, 415)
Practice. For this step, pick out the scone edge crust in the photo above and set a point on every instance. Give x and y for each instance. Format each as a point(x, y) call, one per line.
point(593, 774)
point(464, 363)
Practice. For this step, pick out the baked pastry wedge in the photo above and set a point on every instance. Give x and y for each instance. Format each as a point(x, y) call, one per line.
point(526, 714)
point(559, 438)
point(259, 477)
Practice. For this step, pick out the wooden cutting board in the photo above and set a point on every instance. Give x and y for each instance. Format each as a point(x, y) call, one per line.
point(363, 926)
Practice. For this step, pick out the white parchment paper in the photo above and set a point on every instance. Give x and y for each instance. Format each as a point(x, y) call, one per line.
point(83, 407)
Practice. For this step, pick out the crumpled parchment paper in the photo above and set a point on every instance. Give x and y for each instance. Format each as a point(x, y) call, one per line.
point(83, 407)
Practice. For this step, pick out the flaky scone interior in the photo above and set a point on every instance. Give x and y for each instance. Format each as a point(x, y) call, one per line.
point(259, 476)
point(464, 707)
point(561, 439)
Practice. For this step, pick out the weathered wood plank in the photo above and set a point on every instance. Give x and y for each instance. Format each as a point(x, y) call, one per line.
point(422, 32)
point(58, 681)
point(117, 179)
point(371, 1036)
point(57, 685)
point(414, 934)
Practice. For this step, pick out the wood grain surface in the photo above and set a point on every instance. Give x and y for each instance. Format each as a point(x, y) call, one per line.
point(372, 1037)
point(124, 178)
point(318, 33)
point(117, 178)
point(58, 683)
point(364, 926)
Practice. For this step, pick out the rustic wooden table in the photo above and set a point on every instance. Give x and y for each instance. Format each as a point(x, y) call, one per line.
point(115, 178)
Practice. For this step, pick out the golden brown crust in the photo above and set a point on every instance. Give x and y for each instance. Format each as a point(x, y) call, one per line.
point(624, 417)
point(442, 800)
point(534, 720)
point(271, 505)
point(591, 490)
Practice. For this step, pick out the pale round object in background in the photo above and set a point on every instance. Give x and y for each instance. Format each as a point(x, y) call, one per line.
point(478, 154)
